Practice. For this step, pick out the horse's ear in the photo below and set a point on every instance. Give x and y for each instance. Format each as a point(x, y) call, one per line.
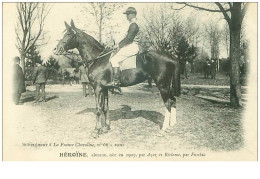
point(72, 24)
point(67, 26)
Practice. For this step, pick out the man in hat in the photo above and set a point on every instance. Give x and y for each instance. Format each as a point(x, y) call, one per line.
point(18, 81)
point(84, 79)
point(39, 79)
point(128, 46)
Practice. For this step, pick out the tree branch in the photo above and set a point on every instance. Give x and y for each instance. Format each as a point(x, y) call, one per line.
point(20, 16)
point(178, 8)
point(230, 5)
point(224, 12)
point(19, 42)
point(202, 8)
point(28, 40)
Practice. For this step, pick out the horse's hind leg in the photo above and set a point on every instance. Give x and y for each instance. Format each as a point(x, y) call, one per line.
point(170, 114)
point(170, 111)
point(173, 118)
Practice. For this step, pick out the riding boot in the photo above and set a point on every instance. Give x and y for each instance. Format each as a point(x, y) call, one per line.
point(116, 76)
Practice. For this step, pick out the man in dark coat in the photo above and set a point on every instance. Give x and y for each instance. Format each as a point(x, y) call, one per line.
point(207, 68)
point(76, 75)
point(213, 69)
point(39, 79)
point(84, 80)
point(18, 81)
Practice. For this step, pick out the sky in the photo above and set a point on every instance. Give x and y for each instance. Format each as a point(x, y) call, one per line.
point(61, 12)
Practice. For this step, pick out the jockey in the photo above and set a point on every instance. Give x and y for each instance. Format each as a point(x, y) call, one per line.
point(128, 46)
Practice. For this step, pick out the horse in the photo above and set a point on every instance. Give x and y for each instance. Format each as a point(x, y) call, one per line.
point(161, 68)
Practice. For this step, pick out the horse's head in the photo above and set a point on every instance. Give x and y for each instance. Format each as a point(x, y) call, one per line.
point(69, 40)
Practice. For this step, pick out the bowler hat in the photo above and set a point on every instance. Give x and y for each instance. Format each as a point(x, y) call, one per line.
point(16, 59)
point(130, 10)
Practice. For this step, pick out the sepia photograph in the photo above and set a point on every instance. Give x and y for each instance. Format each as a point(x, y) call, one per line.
point(121, 81)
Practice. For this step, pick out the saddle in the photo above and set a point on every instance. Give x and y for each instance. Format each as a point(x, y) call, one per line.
point(130, 62)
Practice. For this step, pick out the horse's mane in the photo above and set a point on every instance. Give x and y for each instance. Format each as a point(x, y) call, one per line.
point(92, 40)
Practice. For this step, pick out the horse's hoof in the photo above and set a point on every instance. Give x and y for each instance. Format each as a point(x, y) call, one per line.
point(161, 133)
point(105, 129)
point(108, 128)
point(167, 130)
point(94, 134)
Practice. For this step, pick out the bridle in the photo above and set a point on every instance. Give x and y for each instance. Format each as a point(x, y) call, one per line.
point(73, 36)
point(89, 62)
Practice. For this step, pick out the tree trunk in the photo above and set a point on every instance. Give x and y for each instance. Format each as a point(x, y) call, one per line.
point(100, 33)
point(235, 29)
point(23, 62)
point(100, 27)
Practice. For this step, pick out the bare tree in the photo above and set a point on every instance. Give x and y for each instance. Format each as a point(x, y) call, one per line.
point(226, 37)
point(29, 28)
point(234, 14)
point(192, 30)
point(164, 29)
point(213, 34)
point(102, 13)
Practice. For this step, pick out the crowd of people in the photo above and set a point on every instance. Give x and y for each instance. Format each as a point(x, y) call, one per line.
point(39, 79)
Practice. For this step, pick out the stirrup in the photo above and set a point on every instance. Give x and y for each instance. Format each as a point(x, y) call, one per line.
point(116, 83)
point(112, 84)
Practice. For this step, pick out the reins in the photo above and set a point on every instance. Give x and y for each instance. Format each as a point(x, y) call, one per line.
point(98, 57)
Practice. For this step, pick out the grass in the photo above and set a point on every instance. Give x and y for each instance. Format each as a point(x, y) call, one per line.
point(198, 79)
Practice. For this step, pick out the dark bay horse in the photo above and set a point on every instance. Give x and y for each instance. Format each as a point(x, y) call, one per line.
point(162, 69)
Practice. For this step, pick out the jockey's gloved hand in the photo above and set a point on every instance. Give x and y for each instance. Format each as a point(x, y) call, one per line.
point(116, 47)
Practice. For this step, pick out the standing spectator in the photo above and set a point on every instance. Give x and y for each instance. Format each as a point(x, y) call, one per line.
point(84, 79)
point(40, 78)
point(76, 75)
point(18, 81)
point(187, 69)
point(67, 77)
point(207, 68)
point(213, 69)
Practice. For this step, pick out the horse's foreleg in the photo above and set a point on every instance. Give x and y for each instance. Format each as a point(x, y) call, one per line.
point(99, 97)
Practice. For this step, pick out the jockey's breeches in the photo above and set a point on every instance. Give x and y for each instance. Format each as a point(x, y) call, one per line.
point(124, 53)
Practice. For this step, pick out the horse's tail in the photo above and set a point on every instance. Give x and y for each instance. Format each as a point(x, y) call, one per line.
point(176, 80)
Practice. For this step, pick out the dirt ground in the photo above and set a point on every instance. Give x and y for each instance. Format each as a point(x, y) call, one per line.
point(136, 116)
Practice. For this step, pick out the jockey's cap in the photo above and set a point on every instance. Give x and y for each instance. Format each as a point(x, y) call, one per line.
point(130, 10)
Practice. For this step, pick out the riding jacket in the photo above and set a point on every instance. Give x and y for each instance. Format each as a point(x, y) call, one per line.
point(133, 34)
